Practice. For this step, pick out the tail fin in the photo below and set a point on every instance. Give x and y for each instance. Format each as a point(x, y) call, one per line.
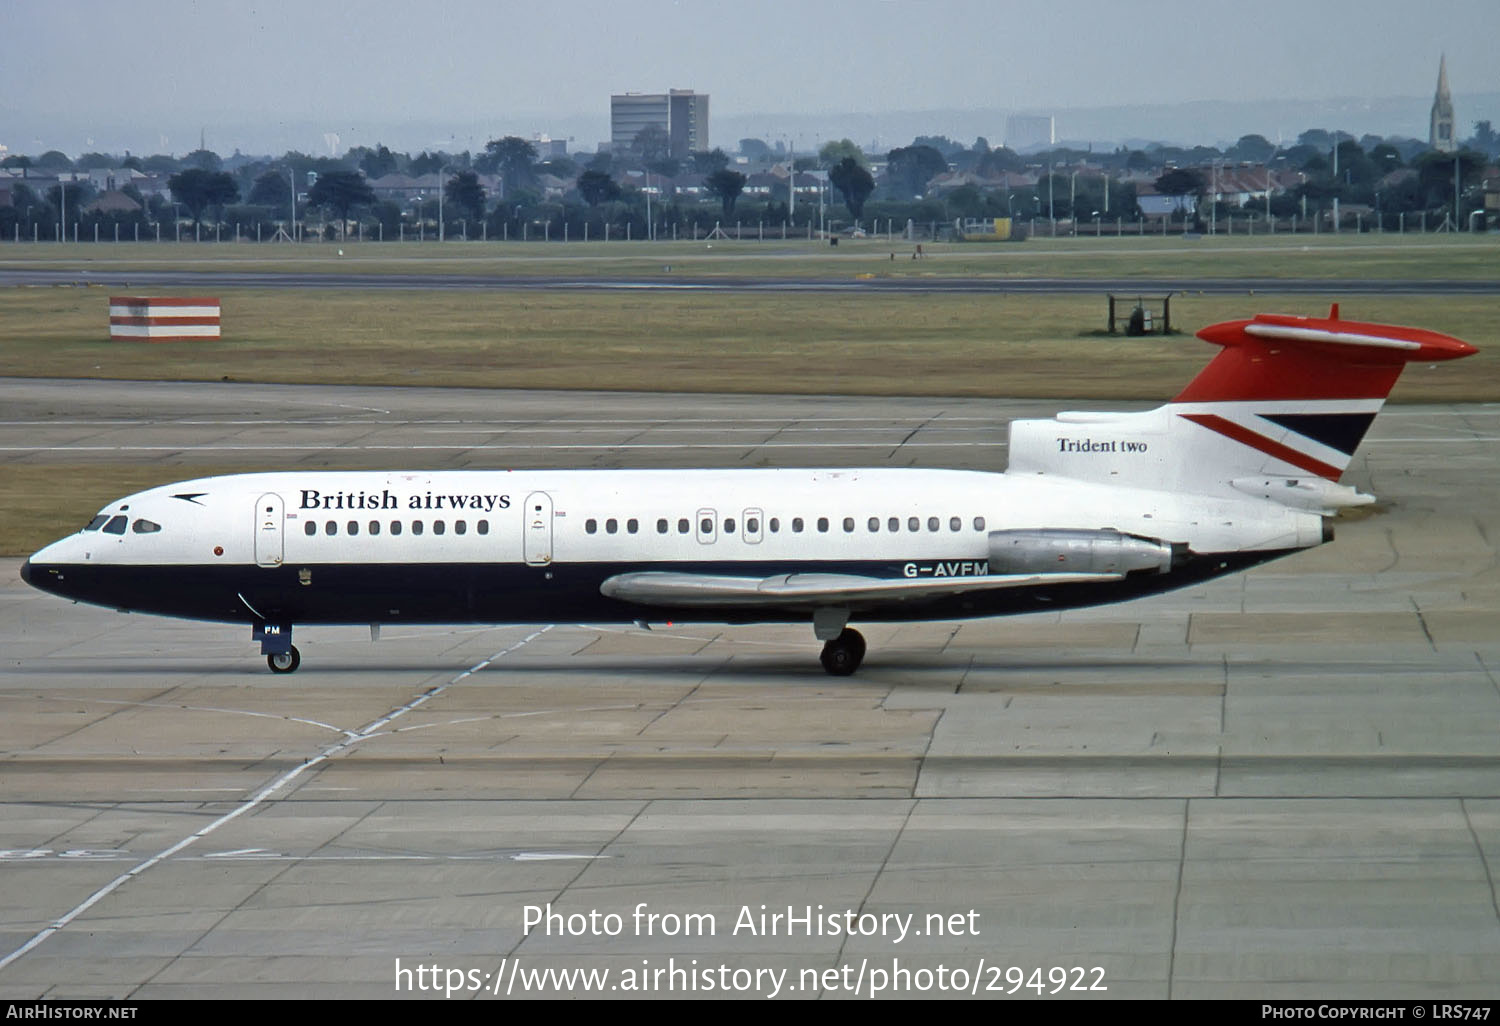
point(1277, 413)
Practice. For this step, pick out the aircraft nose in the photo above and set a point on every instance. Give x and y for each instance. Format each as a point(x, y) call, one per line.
point(26, 571)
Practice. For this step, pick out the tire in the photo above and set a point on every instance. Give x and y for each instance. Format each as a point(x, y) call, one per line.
point(284, 662)
point(842, 656)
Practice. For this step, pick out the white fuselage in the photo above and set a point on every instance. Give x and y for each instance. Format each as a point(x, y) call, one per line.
point(536, 545)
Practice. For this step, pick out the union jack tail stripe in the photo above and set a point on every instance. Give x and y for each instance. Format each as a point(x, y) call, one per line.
point(1269, 446)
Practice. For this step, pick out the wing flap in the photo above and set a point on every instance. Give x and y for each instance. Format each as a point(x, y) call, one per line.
point(685, 590)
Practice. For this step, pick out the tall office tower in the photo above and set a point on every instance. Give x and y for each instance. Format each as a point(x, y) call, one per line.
point(681, 115)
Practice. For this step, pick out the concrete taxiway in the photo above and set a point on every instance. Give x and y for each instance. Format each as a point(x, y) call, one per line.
point(98, 274)
point(1281, 784)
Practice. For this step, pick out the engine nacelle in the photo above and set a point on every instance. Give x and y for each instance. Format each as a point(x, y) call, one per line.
point(1080, 552)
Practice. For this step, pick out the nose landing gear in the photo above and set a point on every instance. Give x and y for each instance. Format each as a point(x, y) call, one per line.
point(285, 662)
point(276, 645)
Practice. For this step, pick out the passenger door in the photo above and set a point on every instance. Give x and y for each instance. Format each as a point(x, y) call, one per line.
point(536, 535)
point(269, 524)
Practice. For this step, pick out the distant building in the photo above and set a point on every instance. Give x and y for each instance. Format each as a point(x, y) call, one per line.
point(113, 201)
point(1155, 206)
point(682, 114)
point(1029, 131)
point(406, 188)
point(1441, 136)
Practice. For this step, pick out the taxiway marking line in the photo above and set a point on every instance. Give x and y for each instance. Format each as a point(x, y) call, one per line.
point(258, 799)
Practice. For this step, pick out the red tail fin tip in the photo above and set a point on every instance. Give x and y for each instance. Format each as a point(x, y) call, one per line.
point(1274, 356)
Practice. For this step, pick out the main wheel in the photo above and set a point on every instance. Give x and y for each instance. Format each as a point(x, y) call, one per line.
point(843, 654)
point(284, 662)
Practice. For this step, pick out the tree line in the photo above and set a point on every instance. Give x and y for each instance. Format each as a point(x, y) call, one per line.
point(615, 190)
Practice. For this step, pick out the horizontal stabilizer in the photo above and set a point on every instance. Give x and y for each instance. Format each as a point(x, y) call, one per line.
point(681, 590)
point(1284, 357)
point(1343, 338)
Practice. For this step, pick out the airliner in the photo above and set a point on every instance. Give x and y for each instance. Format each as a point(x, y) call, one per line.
point(1242, 467)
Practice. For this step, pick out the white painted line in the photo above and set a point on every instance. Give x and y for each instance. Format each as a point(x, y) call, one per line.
point(260, 798)
point(85, 697)
point(547, 856)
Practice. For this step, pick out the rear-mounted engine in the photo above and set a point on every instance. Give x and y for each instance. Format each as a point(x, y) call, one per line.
point(1079, 551)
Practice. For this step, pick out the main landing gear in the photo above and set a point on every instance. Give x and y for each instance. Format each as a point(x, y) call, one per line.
point(843, 646)
point(843, 654)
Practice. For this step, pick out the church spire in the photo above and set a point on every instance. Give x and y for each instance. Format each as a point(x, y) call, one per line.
point(1442, 137)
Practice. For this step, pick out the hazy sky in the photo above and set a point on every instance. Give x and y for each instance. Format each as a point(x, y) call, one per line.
point(134, 75)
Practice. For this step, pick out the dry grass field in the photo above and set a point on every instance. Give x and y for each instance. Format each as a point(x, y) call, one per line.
point(807, 343)
point(1335, 258)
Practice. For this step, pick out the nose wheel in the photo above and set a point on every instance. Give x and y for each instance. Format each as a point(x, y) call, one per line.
point(843, 654)
point(284, 662)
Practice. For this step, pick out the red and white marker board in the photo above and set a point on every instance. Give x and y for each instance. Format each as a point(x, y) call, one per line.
point(163, 319)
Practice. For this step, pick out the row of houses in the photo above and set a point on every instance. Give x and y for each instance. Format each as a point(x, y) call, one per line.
point(1235, 185)
point(107, 185)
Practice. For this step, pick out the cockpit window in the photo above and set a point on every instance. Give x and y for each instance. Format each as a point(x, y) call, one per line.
point(116, 525)
point(144, 526)
point(97, 522)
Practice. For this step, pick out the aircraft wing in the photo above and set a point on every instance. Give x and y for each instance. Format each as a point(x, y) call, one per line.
point(685, 590)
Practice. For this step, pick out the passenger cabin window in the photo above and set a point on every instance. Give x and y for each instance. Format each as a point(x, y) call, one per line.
point(611, 526)
point(395, 527)
point(353, 527)
point(913, 523)
point(874, 524)
point(707, 527)
point(310, 528)
point(438, 527)
point(484, 527)
point(330, 528)
point(848, 525)
point(591, 526)
point(955, 523)
point(979, 523)
point(416, 527)
point(632, 525)
point(823, 524)
point(752, 525)
point(729, 525)
point(932, 523)
point(893, 524)
point(683, 526)
point(661, 525)
point(775, 525)
point(796, 525)
point(374, 526)
point(460, 527)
